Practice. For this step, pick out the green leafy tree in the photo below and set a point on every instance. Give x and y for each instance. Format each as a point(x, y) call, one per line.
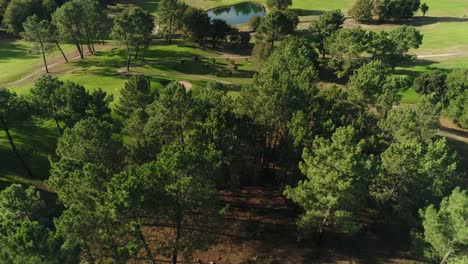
point(18, 204)
point(278, 4)
point(67, 19)
point(169, 16)
point(373, 85)
point(137, 93)
point(23, 239)
point(275, 26)
point(413, 173)
point(87, 158)
point(325, 26)
point(37, 31)
point(45, 96)
point(432, 83)
point(406, 38)
point(219, 126)
point(338, 172)
point(172, 116)
point(17, 12)
point(219, 31)
point(347, 48)
point(457, 109)
point(133, 27)
point(195, 24)
point(331, 109)
point(445, 228)
point(186, 181)
point(285, 85)
point(457, 96)
point(403, 123)
point(424, 8)
point(362, 10)
point(14, 109)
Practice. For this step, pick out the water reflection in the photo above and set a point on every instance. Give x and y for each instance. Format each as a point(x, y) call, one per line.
point(237, 14)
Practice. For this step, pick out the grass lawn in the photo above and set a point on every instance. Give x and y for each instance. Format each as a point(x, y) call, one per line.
point(17, 59)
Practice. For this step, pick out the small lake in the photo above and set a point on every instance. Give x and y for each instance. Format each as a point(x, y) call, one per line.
point(237, 14)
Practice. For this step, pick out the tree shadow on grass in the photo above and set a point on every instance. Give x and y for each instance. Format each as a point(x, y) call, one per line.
point(305, 12)
point(35, 142)
point(413, 73)
point(11, 50)
point(422, 21)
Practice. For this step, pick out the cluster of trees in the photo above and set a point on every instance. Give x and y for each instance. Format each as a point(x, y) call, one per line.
point(81, 22)
point(178, 150)
point(448, 91)
point(386, 10)
point(275, 26)
point(350, 48)
point(64, 102)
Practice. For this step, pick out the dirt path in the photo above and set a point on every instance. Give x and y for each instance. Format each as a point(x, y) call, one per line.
point(41, 70)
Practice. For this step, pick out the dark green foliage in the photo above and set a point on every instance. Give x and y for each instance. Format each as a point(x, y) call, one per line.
point(346, 47)
point(457, 97)
point(278, 4)
point(445, 228)
point(373, 85)
point(169, 16)
point(38, 32)
point(285, 85)
point(133, 27)
point(68, 102)
point(362, 10)
point(338, 172)
point(325, 26)
point(349, 48)
point(218, 31)
point(80, 21)
point(433, 84)
point(384, 10)
point(196, 24)
point(17, 12)
point(22, 238)
point(136, 93)
point(275, 26)
point(424, 8)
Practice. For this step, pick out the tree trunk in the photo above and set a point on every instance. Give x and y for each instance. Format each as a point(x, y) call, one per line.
point(136, 51)
point(147, 248)
point(170, 30)
point(44, 58)
point(57, 122)
point(77, 44)
point(90, 256)
point(63, 54)
point(176, 246)
point(128, 57)
point(13, 147)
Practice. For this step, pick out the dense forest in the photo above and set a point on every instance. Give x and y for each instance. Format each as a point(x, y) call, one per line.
point(138, 176)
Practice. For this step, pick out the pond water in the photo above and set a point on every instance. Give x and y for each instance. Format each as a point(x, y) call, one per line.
point(237, 14)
